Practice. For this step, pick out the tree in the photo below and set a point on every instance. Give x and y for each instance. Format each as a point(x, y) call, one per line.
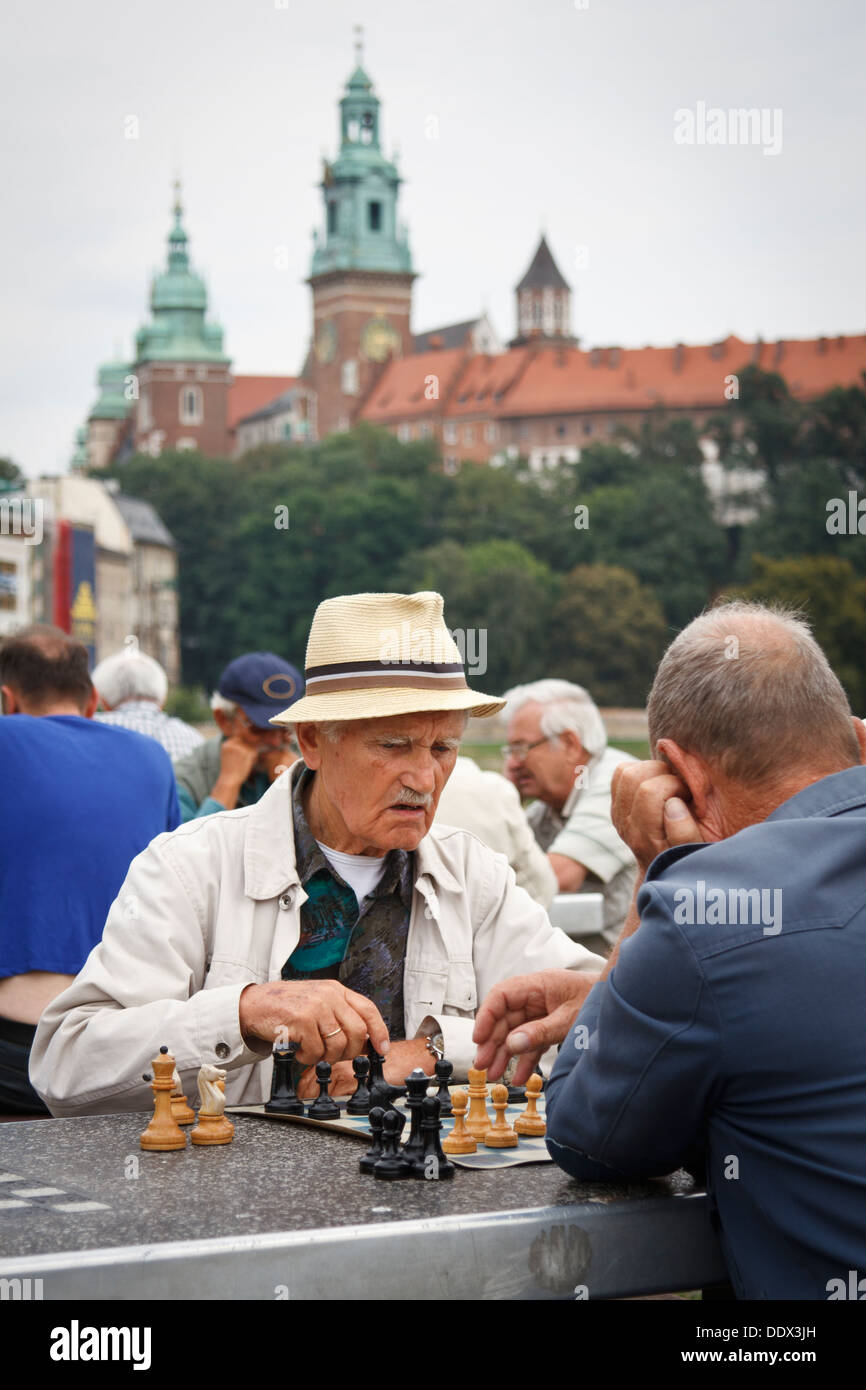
point(607, 633)
point(11, 477)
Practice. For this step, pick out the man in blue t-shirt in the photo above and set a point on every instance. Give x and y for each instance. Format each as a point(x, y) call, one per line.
point(81, 800)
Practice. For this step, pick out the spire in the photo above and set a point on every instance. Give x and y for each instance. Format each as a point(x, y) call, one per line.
point(543, 273)
point(359, 45)
point(178, 300)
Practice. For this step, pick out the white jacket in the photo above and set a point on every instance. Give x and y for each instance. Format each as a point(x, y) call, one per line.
point(488, 805)
point(215, 905)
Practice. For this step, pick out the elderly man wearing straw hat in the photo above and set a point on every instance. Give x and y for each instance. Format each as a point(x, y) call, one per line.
point(331, 912)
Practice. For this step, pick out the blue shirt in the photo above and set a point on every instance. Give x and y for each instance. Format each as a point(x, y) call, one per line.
point(80, 800)
point(741, 1029)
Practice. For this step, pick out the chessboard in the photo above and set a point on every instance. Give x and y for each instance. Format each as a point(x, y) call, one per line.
point(529, 1150)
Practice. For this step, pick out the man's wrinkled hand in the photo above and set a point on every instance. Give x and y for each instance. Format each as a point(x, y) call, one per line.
point(649, 810)
point(329, 1021)
point(524, 1016)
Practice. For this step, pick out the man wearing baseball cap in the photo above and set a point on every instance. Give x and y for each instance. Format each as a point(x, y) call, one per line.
point(332, 912)
point(237, 768)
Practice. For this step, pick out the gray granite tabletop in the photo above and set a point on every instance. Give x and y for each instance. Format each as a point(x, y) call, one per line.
point(85, 1184)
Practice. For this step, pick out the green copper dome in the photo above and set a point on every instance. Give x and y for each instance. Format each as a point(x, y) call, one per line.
point(360, 191)
point(178, 303)
point(112, 403)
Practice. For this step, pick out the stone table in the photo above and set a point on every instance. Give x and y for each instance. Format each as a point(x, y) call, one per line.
point(283, 1212)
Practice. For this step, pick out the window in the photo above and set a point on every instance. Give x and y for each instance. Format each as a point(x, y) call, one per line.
point(451, 465)
point(468, 434)
point(186, 444)
point(191, 409)
point(449, 433)
point(536, 312)
point(425, 430)
point(332, 217)
point(560, 430)
point(374, 216)
point(145, 416)
point(490, 432)
point(349, 377)
point(587, 427)
point(404, 433)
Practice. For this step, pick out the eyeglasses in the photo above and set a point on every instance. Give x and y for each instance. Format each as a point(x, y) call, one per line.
point(286, 739)
point(517, 752)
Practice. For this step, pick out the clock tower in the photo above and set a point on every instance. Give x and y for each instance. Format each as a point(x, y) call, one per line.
point(361, 273)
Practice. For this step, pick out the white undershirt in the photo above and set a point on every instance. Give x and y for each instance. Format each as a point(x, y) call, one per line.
point(360, 871)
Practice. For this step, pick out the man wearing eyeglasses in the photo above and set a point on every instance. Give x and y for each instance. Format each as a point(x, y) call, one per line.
point(557, 753)
point(237, 768)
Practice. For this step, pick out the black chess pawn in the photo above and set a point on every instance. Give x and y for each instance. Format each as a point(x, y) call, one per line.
point(434, 1164)
point(360, 1103)
point(381, 1091)
point(368, 1162)
point(284, 1099)
point(323, 1107)
point(391, 1165)
point(444, 1071)
point(416, 1086)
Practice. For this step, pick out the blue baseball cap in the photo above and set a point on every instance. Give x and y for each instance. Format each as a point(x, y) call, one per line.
point(262, 684)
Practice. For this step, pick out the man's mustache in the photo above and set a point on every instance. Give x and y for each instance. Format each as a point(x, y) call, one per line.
point(408, 797)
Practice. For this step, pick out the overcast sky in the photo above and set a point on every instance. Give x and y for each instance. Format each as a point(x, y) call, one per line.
point(550, 115)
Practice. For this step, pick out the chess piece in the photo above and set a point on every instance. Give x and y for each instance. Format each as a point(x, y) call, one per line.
point(284, 1099)
point(391, 1165)
point(530, 1122)
point(416, 1086)
point(163, 1133)
point(435, 1166)
point(212, 1127)
point(478, 1120)
point(368, 1162)
point(323, 1107)
point(460, 1141)
point(182, 1111)
point(360, 1103)
point(381, 1091)
point(444, 1071)
point(516, 1094)
point(500, 1135)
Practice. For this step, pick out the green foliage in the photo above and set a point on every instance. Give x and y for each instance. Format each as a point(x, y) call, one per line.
point(596, 604)
point(607, 633)
point(188, 703)
point(11, 476)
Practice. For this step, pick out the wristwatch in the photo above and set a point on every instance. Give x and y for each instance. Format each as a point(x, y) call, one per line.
point(436, 1045)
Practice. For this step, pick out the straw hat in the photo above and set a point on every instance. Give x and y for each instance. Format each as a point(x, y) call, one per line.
point(371, 655)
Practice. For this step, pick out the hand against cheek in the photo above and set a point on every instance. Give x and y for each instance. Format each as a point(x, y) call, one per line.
point(649, 808)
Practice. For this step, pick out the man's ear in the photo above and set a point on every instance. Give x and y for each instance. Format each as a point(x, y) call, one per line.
point(222, 721)
point(10, 704)
point(90, 708)
point(691, 770)
point(860, 735)
point(309, 737)
point(575, 748)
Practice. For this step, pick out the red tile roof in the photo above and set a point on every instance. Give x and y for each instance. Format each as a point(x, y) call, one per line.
point(551, 380)
point(400, 390)
point(249, 393)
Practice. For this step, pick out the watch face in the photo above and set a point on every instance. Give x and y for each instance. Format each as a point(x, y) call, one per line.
point(326, 341)
point(379, 338)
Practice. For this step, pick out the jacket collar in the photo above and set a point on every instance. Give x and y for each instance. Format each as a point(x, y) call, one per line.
point(270, 866)
point(841, 791)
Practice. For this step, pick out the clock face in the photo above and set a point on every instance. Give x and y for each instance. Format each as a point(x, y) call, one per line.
point(379, 338)
point(326, 341)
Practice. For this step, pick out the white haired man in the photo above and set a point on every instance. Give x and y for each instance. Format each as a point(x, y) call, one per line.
point(332, 912)
point(132, 688)
point(557, 752)
point(728, 1025)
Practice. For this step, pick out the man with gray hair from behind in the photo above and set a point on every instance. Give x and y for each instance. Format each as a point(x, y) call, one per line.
point(132, 688)
point(727, 1030)
point(557, 752)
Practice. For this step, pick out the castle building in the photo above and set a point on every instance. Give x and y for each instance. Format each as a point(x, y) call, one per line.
point(542, 397)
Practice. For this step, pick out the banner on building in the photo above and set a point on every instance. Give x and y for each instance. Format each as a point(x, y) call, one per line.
point(75, 584)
